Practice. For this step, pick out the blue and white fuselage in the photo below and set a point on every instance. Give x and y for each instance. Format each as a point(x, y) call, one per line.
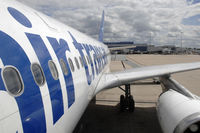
point(50, 72)
point(28, 37)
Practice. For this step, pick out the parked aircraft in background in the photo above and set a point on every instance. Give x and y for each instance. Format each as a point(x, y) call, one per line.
point(50, 72)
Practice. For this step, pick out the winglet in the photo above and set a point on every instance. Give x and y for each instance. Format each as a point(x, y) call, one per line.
point(101, 30)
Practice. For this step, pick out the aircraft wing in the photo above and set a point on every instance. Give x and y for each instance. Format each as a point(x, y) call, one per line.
point(114, 79)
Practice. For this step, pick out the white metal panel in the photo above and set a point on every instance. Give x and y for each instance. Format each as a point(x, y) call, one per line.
point(115, 79)
point(10, 120)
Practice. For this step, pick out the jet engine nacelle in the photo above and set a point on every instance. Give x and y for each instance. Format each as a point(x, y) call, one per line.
point(178, 113)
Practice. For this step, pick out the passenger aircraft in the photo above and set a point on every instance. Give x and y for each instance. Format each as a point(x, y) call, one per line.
point(50, 72)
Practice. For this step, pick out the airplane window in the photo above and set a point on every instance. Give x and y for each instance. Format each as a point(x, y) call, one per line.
point(81, 61)
point(13, 81)
point(88, 60)
point(95, 59)
point(38, 74)
point(53, 69)
point(84, 60)
point(77, 64)
point(63, 66)
point(71, 64)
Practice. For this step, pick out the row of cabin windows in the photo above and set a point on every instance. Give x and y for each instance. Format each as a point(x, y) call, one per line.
point(14, 83)
point(82, 62)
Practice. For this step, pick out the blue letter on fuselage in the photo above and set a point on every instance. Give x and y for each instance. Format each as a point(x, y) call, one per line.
point(60, 49)
point(79, 47)
point(95, 59)
point(53, 85)
point(30, 102)
point(87, 49)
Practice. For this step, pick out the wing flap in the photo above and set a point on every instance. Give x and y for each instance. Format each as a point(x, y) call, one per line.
point(115, 79)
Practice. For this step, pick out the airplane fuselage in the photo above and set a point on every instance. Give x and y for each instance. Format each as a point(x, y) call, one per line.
point(57, 70)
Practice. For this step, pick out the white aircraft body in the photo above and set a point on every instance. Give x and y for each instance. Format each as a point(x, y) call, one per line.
point(50, 72)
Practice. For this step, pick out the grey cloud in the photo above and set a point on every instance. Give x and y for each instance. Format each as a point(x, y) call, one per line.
point(125, 19)
point(175, 29)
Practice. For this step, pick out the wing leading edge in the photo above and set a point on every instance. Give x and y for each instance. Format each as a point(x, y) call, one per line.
point(114, 79)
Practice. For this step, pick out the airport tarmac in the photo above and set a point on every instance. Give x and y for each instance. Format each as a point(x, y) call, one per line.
point(104, 116)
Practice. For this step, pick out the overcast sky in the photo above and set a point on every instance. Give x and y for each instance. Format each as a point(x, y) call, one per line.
point(159, 22)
